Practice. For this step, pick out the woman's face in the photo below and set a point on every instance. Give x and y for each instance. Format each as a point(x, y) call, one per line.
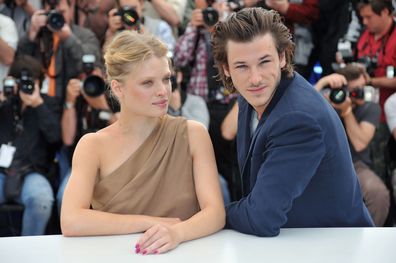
point(145, 91)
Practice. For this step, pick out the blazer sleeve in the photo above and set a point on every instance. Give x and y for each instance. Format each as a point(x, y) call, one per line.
point(289, 159)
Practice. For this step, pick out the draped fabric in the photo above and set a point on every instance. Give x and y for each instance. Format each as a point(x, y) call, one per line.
point(156, 180)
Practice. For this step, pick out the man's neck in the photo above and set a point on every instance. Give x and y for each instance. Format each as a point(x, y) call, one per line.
point(387, 28)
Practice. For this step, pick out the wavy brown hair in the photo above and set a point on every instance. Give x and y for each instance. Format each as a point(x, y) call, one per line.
point(243, 27)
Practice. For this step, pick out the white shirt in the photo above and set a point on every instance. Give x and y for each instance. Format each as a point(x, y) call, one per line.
point(9, 34)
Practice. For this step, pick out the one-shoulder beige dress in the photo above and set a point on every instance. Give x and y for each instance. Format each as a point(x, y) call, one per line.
point(156, 180)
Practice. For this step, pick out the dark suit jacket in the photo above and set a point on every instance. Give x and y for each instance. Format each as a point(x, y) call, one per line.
point(296, 168)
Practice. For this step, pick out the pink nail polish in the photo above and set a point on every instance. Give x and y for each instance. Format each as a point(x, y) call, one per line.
point(155, 251)
point(137, 245)
point(137, 250)
point(144, 252)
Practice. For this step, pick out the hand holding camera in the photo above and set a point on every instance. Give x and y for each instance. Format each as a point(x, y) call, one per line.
point(115, 22)
point(34, 99)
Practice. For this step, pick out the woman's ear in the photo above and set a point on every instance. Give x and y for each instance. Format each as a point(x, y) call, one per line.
point(116, 88)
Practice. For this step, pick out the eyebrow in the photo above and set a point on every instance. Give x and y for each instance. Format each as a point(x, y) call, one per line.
point(260, 59)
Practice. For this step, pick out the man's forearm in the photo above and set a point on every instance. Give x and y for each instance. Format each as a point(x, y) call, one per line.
point(6, 53)
point(166, 12)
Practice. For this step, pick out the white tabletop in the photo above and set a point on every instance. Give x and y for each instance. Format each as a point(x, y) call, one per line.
point(319, 245)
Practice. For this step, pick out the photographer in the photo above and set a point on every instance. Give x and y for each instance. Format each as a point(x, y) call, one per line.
point(59, 45)
point(128, 16)
point(360, 119)
point(86, 110)
point(29, 127)
point(376, 49)
point(193, 54)
point(190, 106)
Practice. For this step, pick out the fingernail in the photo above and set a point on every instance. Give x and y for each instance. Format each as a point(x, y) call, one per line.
point(137, 250)
point(137, 245)
point(155, 252)
point(144, 252)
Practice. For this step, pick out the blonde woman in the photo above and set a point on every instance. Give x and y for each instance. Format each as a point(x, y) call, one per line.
point(148, 172)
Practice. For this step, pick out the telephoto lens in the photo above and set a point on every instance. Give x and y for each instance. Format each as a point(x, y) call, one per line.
point(338, 95)
point(210, 16)
point(55, 20)
point(94, 86)
point(25, 82)
point(129, 16)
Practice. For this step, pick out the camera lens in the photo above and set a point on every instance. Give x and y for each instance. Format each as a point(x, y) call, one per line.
point(94, 86)
point(129, 16)
point(338, 96)
point(210, 16)
point(55, 20)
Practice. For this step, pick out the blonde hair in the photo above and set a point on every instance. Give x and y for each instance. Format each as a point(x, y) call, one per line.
point(129, 49)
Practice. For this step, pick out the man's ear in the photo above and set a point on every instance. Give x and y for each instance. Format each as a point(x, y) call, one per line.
point(226, 71)
point(282, 59)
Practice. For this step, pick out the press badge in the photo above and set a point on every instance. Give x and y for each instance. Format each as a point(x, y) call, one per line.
point(6, 155)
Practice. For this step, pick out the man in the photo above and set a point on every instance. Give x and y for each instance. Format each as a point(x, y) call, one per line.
point(376, 48)
point(292, 150)
point(360, 118)
point(59, 49)
point(29, 126)
point(157, 27)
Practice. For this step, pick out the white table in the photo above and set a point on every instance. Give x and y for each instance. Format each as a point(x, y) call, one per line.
point(319, 245)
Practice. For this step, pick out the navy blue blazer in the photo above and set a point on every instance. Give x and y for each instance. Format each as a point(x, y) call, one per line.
point(296, 169)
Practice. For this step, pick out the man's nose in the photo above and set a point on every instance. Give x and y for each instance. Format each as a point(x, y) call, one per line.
point(255, 76)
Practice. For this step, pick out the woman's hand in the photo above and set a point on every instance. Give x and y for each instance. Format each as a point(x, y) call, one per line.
point(158, 239)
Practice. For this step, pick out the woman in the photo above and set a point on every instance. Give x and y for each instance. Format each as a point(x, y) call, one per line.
point(147, 172)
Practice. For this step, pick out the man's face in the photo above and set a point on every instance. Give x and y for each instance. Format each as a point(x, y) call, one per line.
point(357, 84)
point(374, 23)
point(255, 69)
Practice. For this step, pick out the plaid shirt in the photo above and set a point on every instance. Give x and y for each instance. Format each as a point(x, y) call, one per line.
point(184, 55)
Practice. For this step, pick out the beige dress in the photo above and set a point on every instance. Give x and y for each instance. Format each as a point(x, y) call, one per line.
point(156, 180)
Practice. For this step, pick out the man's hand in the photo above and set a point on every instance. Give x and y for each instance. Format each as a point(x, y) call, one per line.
point(33, 100)
point(158, 239)
point(73, 90)
point(115, 22)
point(343, 108)
point(197, 18)
point(334, 81)
point(65, 32)
point(39, 20)
point(279, 5)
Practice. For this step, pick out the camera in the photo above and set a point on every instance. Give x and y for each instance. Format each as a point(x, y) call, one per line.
point(339, 95)
point(25, 82)
point(210, 16)
point(344, 47)
point(370, 63)
point(129, 16)
point(55, 20)
point(93, 86)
